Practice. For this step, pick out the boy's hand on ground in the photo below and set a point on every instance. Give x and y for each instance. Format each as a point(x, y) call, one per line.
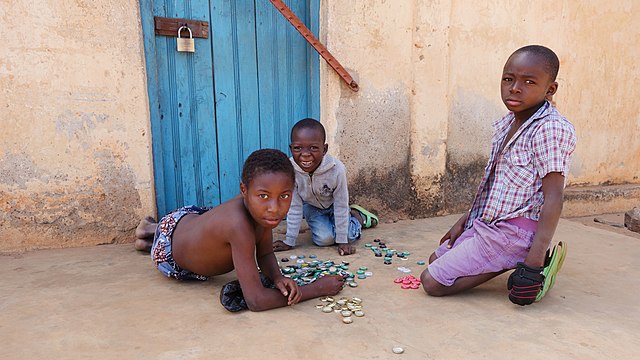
point(281, 246)
point(290, 289)
point(524, 284)
point(346, 249)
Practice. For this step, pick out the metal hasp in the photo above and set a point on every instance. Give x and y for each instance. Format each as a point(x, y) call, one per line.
point(317, 45)
point(169, 26)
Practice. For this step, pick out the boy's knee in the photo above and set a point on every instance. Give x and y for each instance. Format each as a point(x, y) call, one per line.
point(431, 286)
point(432, 258)
point(323, 239)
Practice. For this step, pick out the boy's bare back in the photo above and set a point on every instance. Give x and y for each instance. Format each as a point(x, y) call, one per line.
point(202, 243)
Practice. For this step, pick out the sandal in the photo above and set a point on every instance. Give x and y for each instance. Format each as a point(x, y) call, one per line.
point(370, 220)
point(553, 263)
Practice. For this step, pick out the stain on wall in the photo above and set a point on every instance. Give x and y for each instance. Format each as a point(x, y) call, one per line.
point(461, 182)
point(77, 125)
point(468, 146)
point(376, 153)
point(17, 169)
point(96, 209)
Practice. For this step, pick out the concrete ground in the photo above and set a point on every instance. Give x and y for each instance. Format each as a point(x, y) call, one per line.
point(109, 302)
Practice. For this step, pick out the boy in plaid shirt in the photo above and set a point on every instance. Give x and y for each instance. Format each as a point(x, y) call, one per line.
point(518, 203)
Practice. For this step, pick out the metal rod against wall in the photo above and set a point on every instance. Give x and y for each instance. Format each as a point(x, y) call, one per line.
point(317, 45)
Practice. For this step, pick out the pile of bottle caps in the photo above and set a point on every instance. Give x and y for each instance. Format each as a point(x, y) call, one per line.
point(305, 272)
point(346, 307)
point(408, 282)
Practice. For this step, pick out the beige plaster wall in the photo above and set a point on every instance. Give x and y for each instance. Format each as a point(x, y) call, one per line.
point(75, 147)
point(75, 142)
point(371, 130)
point(416, 137)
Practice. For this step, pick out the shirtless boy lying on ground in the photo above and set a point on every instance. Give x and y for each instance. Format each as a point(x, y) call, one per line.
point(195, 243)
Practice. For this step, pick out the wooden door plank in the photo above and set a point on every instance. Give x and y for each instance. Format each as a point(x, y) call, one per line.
point(225, 97)
point(184, 137)
point(202, 112)
point(268, 75)
point(284, 63)
point(146, 16)
point(179, 102)
point(165, 123)
point(195, 113)
point(235, 74)
point(298, 65)
point(247, 77)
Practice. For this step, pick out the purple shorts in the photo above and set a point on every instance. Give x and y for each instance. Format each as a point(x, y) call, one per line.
point(484, 248)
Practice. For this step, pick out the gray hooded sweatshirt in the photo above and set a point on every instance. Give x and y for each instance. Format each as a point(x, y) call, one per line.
point(322, 188)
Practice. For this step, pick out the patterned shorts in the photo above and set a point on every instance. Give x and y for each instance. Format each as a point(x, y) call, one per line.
point(161, 249)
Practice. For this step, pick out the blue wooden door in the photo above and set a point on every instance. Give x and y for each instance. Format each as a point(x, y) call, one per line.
point(242, 90)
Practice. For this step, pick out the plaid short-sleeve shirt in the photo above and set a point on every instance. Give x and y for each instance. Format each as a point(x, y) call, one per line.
point(512, 182)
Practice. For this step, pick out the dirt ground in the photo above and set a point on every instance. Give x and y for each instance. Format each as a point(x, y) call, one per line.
point(109, 302)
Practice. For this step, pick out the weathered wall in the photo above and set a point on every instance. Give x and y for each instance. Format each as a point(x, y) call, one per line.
point(416, 137)
point(75, 147)
point(75, 150)
point(371, 130)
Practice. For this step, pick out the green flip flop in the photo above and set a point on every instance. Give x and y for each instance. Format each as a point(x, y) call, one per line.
point(370, 220)
point(553, 264)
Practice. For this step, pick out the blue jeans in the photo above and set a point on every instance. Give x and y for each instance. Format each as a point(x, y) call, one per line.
point(323, 225)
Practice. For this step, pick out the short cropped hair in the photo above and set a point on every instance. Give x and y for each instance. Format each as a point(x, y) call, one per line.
point(309, 123)
point(549, 58)
point(265, 161)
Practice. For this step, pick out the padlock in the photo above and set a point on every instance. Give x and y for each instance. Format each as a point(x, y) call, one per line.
point(185, 44)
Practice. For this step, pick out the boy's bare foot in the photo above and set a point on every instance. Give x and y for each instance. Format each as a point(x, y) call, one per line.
point(143, 245)
point(146, 228)
point(346, 249)
point(365, 218)
point(356, 214)
point(279, 245)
